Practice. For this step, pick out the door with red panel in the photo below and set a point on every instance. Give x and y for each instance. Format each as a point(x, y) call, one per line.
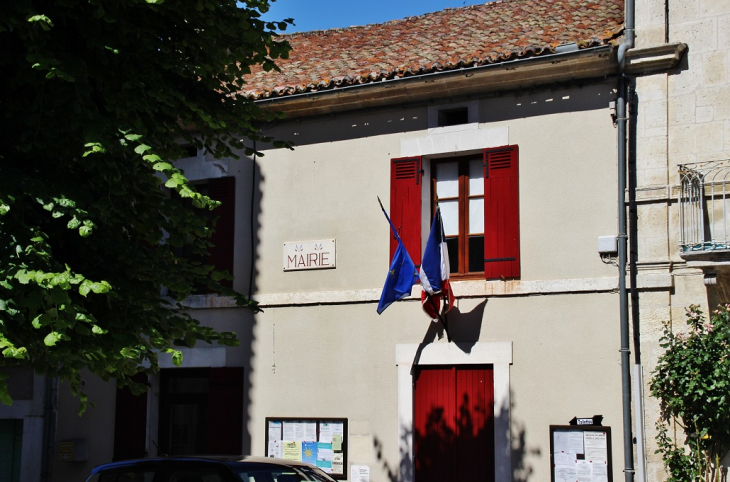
point(453, 419)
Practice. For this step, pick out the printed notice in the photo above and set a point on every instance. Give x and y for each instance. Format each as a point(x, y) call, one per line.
point(299, 431)
point(325, 432)
point(563, 459)
point(274, 430)
point(596, 447)
point(275, 449)
point(575, 442)
point(583, 472)
point(336, 442)
point(309, 452)
point(338, 428)
point(361, 473)
point(560, 442)
point(600, 471)
point(565, 473)
point(310, 431)
point(324, 457)
point(289, 433)
point(292, 451)
point(338, 463)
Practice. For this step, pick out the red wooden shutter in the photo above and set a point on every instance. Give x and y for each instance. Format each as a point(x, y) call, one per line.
point(501, 213)
point(225, 411)
point(405, 205)
point(221, 255)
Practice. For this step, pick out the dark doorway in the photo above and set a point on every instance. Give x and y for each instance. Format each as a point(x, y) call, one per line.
point(453, 419)
point(201, 411)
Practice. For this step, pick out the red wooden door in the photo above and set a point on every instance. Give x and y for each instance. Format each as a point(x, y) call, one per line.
point(454, 423)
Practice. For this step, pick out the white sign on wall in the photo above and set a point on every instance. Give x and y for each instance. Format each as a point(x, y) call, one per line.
point(318, 254)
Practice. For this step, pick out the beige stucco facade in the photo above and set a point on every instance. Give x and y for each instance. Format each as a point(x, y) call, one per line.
point(319, 349)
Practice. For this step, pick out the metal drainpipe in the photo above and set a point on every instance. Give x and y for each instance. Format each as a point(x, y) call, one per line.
point(622, 119)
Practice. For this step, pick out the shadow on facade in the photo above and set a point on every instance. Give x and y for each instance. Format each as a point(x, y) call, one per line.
point(245, 331)
point(497, 108)
point(521, 453)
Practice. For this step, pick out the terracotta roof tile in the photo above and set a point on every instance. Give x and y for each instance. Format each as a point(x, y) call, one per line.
point(450, 39)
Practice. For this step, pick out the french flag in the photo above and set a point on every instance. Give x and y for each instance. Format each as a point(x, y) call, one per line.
point(434, 272)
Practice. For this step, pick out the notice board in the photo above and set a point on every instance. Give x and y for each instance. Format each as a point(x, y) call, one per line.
point(580, 453)
point(317, 441)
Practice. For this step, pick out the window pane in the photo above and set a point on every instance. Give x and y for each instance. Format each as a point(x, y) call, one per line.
point(476, 177)
point(447, 179)
point(476, 216)
point(476, 253)
point(450, 216)
point(453, 246)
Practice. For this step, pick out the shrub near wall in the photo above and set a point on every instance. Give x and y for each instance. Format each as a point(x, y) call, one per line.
point(692, 383)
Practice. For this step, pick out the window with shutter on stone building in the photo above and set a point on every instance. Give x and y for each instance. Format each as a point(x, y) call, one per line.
point(220, 254)
point(479, 200)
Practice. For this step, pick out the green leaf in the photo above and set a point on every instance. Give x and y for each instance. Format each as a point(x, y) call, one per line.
point(133, 137)
point(52, 338)
point(24, 276)
point(41, 320)
point(97, 330)
point(44, 21)
point(17, 353)
point(73, 223)
point(151, 158)
point(161, 166)
point(85, 288)
point(101, 287)
point(142, 148)
point(95, 147)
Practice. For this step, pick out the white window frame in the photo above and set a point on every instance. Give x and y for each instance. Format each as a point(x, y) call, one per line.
point(497, 354)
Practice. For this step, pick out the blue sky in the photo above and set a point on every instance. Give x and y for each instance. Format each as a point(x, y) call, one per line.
point(323, 14)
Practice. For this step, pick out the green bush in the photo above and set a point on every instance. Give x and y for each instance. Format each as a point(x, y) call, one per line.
point(692, 383)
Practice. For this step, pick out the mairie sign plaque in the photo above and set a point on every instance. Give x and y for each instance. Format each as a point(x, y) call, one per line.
point(299, 255)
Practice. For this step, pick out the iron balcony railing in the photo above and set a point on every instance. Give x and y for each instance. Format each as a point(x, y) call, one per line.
point(704, 206)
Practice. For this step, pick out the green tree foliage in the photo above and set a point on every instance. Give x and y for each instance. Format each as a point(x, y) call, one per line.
point(95, 98)
point(692, 383)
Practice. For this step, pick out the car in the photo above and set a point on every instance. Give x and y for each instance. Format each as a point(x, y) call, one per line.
point(208, 469)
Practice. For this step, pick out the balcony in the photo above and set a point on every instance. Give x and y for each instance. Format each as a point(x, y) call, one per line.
point(704, 211)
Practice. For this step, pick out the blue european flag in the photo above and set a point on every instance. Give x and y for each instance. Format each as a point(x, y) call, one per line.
point(401, 274)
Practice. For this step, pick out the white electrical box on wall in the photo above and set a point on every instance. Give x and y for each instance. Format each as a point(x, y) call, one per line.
point(607, 244)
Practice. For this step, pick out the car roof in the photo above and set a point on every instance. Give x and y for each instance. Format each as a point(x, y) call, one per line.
point(211, 459)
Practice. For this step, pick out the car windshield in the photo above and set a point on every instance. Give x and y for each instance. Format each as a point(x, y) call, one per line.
point(282, 474)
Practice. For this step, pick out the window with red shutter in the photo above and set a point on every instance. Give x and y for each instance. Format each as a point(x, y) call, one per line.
point(479, 201)
point(405, 205)
point(501, 213)
point(220, 254)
